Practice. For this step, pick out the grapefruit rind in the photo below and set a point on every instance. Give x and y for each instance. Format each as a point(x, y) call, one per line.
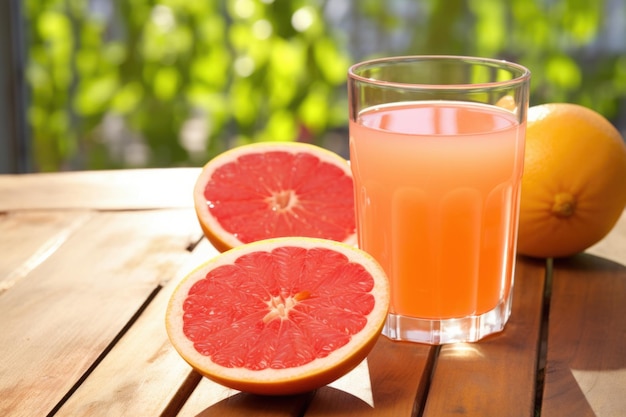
point(571, 193)
point(307, 377)
point(224, 240)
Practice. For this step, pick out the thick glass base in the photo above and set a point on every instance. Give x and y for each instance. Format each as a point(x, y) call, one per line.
point(439, 332)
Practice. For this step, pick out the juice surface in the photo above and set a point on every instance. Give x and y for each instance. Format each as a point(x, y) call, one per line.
point(437, 194)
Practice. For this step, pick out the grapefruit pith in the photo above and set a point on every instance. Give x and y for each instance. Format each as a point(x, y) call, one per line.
point(275, 189)
point(279, 316)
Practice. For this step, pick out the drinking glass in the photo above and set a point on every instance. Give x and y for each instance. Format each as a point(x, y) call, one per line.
point(437, 152)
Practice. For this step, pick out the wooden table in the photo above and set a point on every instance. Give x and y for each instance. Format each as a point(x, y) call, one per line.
point(88, 261)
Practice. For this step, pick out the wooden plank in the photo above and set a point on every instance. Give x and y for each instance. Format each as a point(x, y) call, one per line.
point(62, 317)
point(398, 375)
point(29, 238)
point(111, 190)
point(586, 358)
point(495, 376)
point(142, 374)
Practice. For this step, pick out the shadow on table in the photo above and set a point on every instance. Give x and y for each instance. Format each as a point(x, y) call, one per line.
point(291, 405)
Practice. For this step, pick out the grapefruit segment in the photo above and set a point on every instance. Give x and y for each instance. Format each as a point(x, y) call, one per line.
point(275, 189)
point(279, 316)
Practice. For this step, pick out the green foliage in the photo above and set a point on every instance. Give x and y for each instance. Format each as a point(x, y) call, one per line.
point(242, 70)
point(174, 82)
point(557, 40)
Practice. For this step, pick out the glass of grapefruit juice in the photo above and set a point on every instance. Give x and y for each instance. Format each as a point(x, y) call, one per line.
point(437, 152)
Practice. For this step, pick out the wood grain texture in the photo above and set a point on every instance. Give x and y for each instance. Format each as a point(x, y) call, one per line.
point(83, 254)
point(58, 320)
point(495, 376)
point(110, 190)
point(586, 368)
point(142, 374)
point(29, 238)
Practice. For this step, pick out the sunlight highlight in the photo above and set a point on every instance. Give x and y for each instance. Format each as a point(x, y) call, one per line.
point(303, 18)
point(462, 350)
point(598, 387)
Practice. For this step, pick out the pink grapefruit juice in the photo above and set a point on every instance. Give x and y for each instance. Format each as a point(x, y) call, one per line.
point(437, 195)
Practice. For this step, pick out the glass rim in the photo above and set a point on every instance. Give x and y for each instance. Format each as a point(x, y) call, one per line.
point(524, 73)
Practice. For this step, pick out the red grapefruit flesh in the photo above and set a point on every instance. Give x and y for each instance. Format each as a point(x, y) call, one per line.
point(279, 316)
point(275, 189)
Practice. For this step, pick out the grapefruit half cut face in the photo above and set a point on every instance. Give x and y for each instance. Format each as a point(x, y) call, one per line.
point(275, 189)
point(279, 316)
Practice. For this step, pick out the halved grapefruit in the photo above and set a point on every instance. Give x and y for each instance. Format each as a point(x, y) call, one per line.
point(275, 189)
point(279, 316)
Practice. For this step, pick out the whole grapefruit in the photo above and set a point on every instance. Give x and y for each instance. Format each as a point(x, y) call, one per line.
point(574, 181)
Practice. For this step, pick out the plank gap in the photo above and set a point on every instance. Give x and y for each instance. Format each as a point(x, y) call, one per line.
point(182, 395)
point(194, 243)
point(427, 377)
point(542, 352)
point(105, 352)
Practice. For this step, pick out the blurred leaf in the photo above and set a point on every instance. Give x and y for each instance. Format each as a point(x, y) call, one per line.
point(58, 122)
point(214, 108)
point(87, 62)
point(39, 80)
point(490, 25)
point(281, 126)
point(127, 98)
point(582, 18)
point(330, 61)
point(288, 58)
point(563, 72)
point(282, 89)
point(315, 107)
point(166, 83)
point(240, 36)
point(620, 74)
point(93, 95)
point(211, 69)
point(54, 26)
point(163, 38)
point(181, 40)
point(243, 103)
point(37, 118)
point(114, 53)
point(211, 29)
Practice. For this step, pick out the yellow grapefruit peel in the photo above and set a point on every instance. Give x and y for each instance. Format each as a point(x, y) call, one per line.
point(574, 182)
